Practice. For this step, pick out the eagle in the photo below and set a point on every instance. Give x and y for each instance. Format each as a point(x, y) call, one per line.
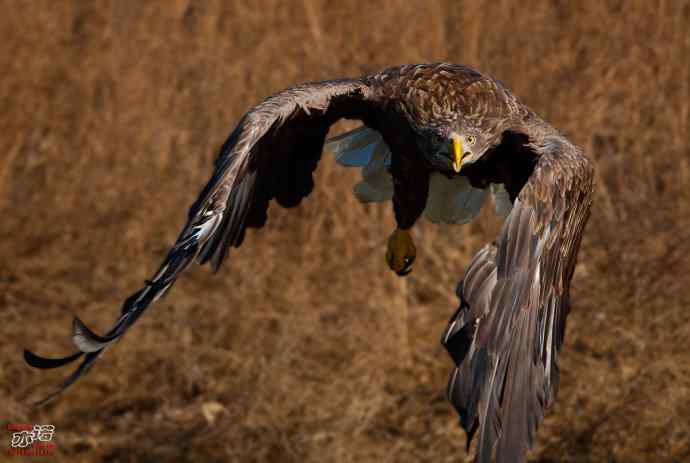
point(436, 139)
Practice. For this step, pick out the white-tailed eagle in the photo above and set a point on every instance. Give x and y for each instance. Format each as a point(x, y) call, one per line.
point(436, 137)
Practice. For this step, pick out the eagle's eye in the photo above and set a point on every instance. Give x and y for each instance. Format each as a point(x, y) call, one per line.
point(436, 139)
point(471, 139)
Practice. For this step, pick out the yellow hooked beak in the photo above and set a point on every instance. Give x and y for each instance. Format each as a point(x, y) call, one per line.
point(457, 153)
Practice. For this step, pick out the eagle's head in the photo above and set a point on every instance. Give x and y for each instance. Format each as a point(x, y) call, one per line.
point(450, 146)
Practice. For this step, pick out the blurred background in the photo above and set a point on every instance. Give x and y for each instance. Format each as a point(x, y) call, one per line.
point(305, 347)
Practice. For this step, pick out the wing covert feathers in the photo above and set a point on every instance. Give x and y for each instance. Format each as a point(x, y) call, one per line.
point(506, 335)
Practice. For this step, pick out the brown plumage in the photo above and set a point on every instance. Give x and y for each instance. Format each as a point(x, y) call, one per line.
point(437, 118)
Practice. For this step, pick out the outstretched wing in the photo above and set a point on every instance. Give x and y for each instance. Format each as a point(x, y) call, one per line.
point(506, 335)
point(270, 155)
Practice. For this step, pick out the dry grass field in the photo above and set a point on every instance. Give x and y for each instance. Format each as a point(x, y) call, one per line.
point(305, 347)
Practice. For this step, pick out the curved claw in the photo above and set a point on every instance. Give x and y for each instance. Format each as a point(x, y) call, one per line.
point(407, 268)
point(404, 272)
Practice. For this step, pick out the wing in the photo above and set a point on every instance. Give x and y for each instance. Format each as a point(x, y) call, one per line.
point(270, 155)
point(506, 335)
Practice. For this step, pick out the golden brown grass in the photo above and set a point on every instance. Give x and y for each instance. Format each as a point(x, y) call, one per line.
point(304, 345)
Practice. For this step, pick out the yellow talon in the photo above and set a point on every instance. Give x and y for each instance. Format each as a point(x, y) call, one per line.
point(401, 252)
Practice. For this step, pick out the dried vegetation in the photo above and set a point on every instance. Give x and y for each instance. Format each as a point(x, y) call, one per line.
point(305, 348)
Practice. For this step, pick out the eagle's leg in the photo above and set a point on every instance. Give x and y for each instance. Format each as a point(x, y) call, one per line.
point(401, 252)
point(410, 190)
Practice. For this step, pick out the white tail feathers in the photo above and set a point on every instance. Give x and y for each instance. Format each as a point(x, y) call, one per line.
point(451, 200)
point(365, 148)
point(501, 199)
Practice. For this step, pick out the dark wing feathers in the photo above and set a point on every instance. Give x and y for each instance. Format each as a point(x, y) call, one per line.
point(47, 363)
point(270, 155)
point(507, 333)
